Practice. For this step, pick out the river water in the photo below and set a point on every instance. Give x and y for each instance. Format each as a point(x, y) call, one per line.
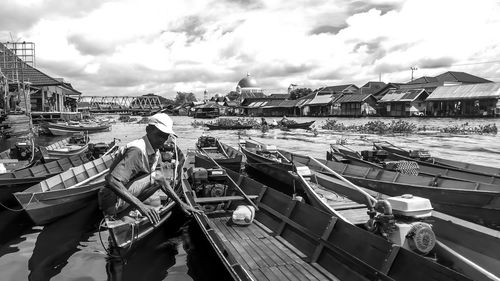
point(71, 248)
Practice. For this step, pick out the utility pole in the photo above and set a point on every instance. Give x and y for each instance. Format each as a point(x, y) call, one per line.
point(413, 68)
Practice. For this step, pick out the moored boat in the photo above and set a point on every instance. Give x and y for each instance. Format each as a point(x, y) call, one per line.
point(228, 127)
point(74, 145)
point(304, 125)
point(424, 156)
point(22, 179)
point(475, 202)
point(468, 248)
point(282, 242)
point(62, 129)
point(23, 154)
point(267, 160)
point(66, 192)
point(434, 169)
point(223, 154)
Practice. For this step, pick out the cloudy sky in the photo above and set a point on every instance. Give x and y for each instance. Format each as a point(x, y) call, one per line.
point(132, 47)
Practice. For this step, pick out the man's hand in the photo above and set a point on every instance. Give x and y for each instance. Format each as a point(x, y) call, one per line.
point(188, 210)
point(150, 213)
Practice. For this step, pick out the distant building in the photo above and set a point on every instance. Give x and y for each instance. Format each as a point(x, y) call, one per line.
point(47, 94)
point(404, 103)
point(356, 105)
point(465, 100)
point(447, 78)
point(247, 88)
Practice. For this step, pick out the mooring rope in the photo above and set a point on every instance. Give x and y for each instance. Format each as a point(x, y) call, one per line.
point(22, 208)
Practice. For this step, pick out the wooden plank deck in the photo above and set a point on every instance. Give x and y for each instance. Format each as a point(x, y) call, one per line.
point(264, 256)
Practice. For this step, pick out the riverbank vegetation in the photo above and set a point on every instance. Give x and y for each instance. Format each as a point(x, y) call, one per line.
point(405, 127)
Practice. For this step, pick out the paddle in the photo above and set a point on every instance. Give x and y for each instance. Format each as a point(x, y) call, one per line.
point(235, 184)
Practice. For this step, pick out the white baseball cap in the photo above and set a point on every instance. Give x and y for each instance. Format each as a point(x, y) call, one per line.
point(163, 122)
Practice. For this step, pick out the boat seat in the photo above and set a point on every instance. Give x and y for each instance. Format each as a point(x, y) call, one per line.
point(208, 200)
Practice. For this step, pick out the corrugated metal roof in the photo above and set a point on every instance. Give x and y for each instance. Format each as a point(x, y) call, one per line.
point(353, 98)
point(321, 100)
point(288, 103)
point(402, 95)
point(463, 92)
point(272, 103)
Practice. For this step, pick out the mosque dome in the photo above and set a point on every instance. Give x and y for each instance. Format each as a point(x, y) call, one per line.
point(247, 82)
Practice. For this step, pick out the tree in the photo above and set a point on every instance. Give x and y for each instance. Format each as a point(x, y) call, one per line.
point(233, 95)
point(300, 92)
point(183, 98)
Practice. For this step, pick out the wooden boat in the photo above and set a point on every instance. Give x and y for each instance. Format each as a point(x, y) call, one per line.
point(304, 125)
point(225, 155)
point(229, 127)
point(284, 243)
point(424, 156)
point(66, 192)
point(267, 160)
point(353, 204)
point(22, 179)
point(475, 202)
point(62, 129)
point(434, 169)
point(74, 145)
point(125, 232)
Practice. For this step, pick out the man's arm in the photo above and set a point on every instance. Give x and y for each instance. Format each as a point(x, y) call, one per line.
point(129, 165)
point(165, 186)
point(122, 192)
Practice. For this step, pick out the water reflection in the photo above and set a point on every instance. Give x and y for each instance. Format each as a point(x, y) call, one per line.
point(59, 240)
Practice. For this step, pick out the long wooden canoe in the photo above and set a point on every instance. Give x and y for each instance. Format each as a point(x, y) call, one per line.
point(229, 127)
point(433, 169)
point(223, 154)
point(22, 179)
point(267, 160)
point(66, 192)
point(475, 254)
point(475, 202)
point(65, 148)
point(63, 129)
point(488, 170)
point(284, 243)
point(304, 125)
point(126, 231)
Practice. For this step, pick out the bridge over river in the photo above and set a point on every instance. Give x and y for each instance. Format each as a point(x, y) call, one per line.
point(120, 104)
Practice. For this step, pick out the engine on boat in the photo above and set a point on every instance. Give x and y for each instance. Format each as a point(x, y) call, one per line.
point(79, 139)
point(97, 150)
point(206, 141)
point(167, 151)
point(377, 155)
point(209, 183)
point(420, 154)
point(21, 151)
point(401, 220)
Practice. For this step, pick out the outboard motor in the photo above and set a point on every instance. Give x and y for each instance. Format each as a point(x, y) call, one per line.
point(21, 151)
point(420, 154)
point(209, 183)
point(206, 141)
point(79, 139)
point(403, 222)
point(97, 150)
point(377, 155)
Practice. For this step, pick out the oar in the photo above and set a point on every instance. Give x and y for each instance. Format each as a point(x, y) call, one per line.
point(235, 184)
point(90, 179)
point(223, 150)
point(371, 200)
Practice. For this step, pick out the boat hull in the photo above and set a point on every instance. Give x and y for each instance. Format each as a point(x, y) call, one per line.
point(478, 206)
point(275, 170)
point(63, 130)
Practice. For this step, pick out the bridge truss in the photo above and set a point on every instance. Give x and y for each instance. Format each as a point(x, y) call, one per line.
point(112, 104)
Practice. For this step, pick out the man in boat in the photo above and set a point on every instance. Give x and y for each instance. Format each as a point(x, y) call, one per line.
point(132, 174)
point(263, 121)
point(284, 120)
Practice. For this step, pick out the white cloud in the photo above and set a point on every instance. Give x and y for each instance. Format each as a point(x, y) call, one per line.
point(137, 47)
